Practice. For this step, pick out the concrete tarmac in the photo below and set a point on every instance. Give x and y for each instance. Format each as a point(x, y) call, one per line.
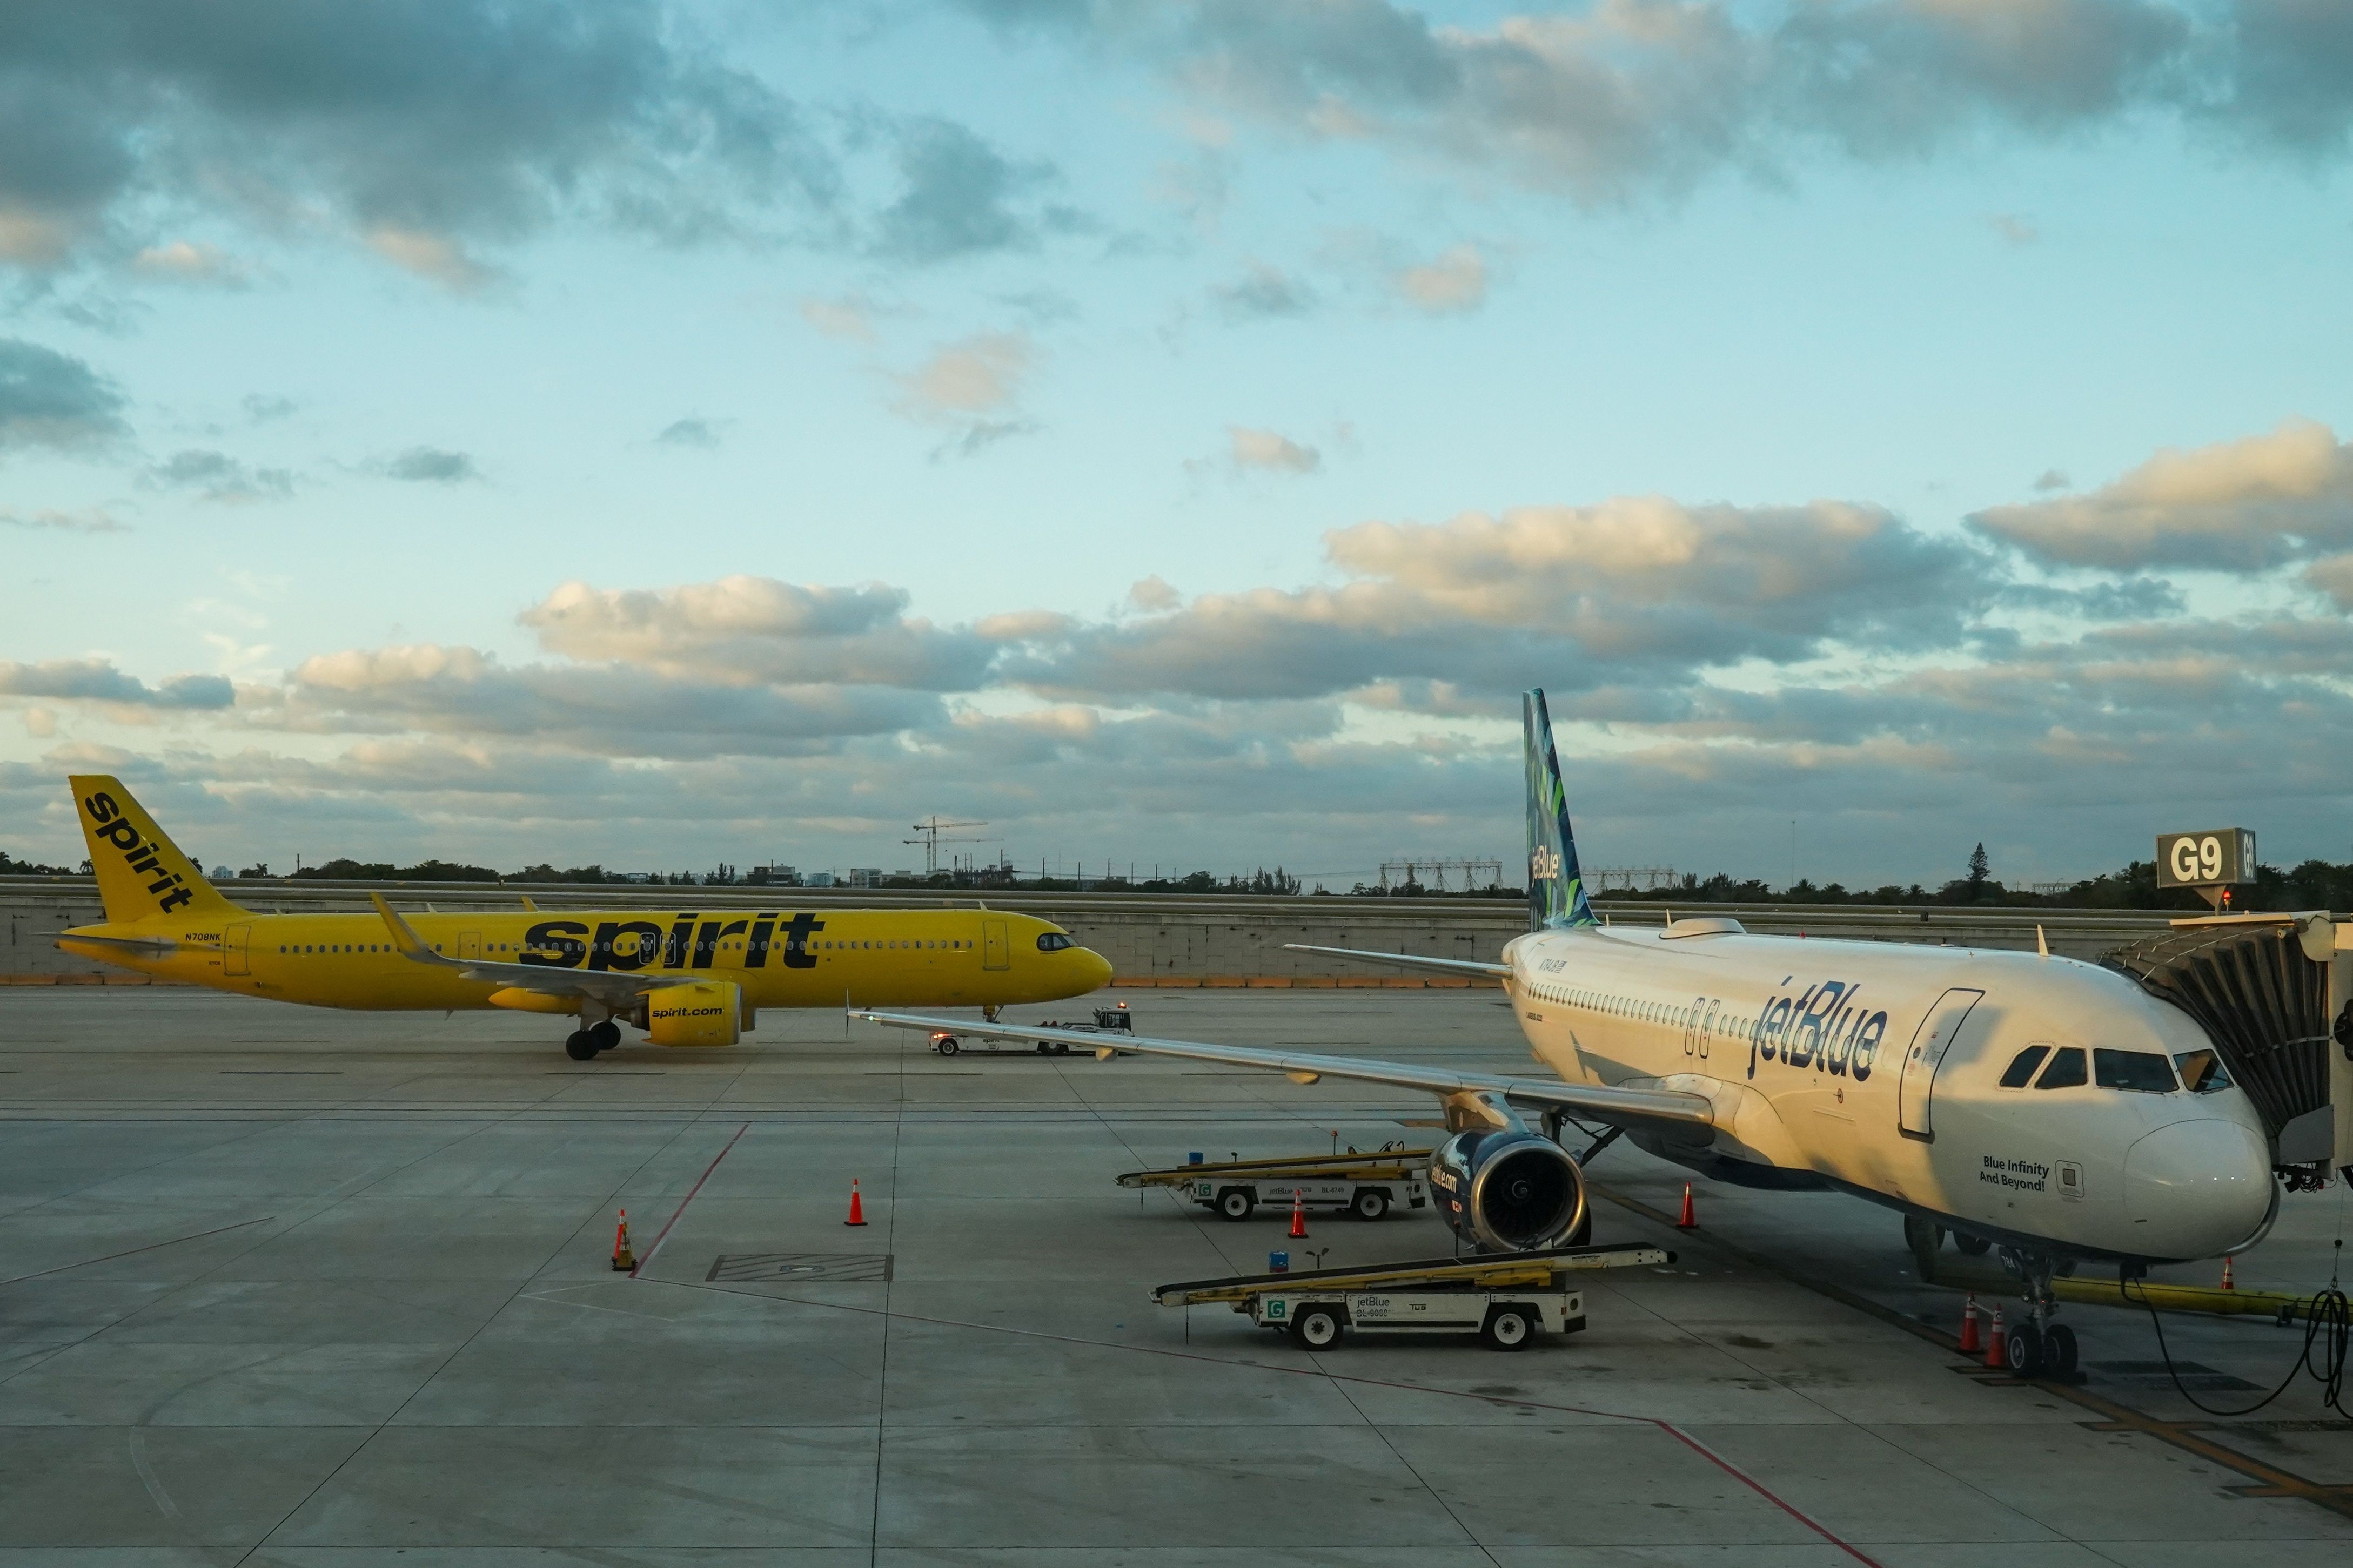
point(294, 1286)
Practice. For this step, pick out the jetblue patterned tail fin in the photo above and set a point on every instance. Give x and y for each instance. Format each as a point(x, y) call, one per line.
point(1555, 888)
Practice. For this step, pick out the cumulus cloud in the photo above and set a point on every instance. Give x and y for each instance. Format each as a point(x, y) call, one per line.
point(979, 374)
point(961, 197)
point(609, 707)
point(1453, 284)
point(743, 630)
point(1621, 98)
point(90, 520)
point(2245, 505)
point(51, 399)
point(217, 477)
point(704, 435)
point(1262, 291)
point(198, 266)
point(429, 465)
point(850, 316)
point(420, 130)
point(1267, 452)
point(1639, 586)
point(98, 681)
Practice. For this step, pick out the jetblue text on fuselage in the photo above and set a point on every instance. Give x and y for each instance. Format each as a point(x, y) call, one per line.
point(1822, 1028)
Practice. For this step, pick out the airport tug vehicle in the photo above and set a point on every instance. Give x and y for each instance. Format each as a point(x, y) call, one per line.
point(1364, 1185)
point(1506, 1299)
point(1115, 1020)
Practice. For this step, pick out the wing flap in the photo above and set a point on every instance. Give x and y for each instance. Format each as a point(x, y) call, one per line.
point(1645, 1108)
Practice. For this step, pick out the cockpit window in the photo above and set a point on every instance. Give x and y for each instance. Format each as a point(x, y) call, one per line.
point(2023, 1066)
point(2143, 1070)
point(1053, 941)
point(2065, 1071)
point(2201, 1072)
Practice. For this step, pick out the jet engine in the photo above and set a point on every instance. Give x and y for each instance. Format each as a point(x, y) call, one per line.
point(703, 1012)
point(1509, 1190)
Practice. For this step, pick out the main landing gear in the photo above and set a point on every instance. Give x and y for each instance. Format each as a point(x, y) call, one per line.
point(585, 1044)
point(2034, 1346)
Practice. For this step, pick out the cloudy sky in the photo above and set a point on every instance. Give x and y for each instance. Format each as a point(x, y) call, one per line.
point(1174, 430)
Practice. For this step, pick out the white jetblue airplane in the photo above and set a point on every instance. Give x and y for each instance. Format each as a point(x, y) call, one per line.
point(2046, 1105)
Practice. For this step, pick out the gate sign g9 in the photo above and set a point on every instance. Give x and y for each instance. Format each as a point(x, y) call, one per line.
point(2210, 859)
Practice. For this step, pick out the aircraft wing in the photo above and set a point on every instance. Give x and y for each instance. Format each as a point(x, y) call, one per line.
point(1649, 1109)
point(616, 988)
point(1407, 960)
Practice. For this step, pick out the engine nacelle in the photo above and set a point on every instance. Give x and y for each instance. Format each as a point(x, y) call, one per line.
point(1509, 1191)
point(703, 1012)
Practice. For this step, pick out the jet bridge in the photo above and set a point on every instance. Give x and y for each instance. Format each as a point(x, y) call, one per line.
point(2274, 993)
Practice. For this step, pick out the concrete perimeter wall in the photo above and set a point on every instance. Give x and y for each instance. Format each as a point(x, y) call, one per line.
point(1168, 942)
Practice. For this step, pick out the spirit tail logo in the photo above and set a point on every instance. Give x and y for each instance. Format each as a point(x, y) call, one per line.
point(141, 873)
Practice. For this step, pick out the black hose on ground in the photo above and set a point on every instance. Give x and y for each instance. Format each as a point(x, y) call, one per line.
point(2328, 1330)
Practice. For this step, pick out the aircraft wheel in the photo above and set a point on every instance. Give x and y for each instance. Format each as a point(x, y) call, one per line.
point(1236, 1202)
point(946, 1045)
point(2059, 1351)
point(1972, 1246)
point(1061, 1048)
point(1370, 1202)
point(1317, 1327)
point(2022, 1351)
point(581, 1046)
point(608, 1035)
point(1509, 1328)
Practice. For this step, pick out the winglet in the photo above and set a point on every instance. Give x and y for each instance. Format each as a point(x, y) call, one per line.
point(404, 935)
point(2041, 945)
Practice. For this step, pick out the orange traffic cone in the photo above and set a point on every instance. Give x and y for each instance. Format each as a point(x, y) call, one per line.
point(2227, 1285)
point(1996, 1355)
point(623, 1259)
point(1298, 1213)
point(857, 1209)
point(1689, 1221)
point(1970, 1342)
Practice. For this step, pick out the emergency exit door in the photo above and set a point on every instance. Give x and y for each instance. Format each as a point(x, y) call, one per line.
point(993, 954)
point(1930, 1042)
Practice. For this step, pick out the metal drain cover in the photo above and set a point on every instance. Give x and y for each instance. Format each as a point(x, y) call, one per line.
point(797, 1268)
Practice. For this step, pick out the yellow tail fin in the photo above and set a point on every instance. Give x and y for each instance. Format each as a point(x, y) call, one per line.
point(141, 873)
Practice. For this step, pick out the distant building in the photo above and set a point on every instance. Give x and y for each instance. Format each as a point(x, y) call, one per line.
point(820, 880)
point(866, 875)
point(222, 873)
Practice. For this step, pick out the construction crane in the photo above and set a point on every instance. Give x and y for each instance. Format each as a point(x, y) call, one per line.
point(931, 827)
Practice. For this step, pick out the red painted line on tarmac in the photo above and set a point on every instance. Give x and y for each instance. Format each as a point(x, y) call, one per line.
point(657, 1247)
point(1694, 1444)
point(1761, 1490)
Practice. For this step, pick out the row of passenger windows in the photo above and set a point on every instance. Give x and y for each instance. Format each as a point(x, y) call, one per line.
point(2144, 1072)
point(300, 949)
point(1617, 1006)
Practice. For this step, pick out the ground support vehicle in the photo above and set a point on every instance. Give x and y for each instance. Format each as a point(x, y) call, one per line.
point(1108, 1021)
point(1368, 1186)
point(1506, 1298)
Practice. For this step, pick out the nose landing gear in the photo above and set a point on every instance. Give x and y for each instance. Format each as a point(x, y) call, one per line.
point(2034, 1345)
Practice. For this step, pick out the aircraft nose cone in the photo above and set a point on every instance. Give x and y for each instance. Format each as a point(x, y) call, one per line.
point(1098, 968)
point(2194, 1189)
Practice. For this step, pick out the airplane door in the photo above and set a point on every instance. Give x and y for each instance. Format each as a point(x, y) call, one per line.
point(233, 949)
point(469, 945)
point(992, 953)
point(1930, 1041)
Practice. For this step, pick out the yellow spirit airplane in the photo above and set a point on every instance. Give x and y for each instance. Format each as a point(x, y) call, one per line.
point(687, 977)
